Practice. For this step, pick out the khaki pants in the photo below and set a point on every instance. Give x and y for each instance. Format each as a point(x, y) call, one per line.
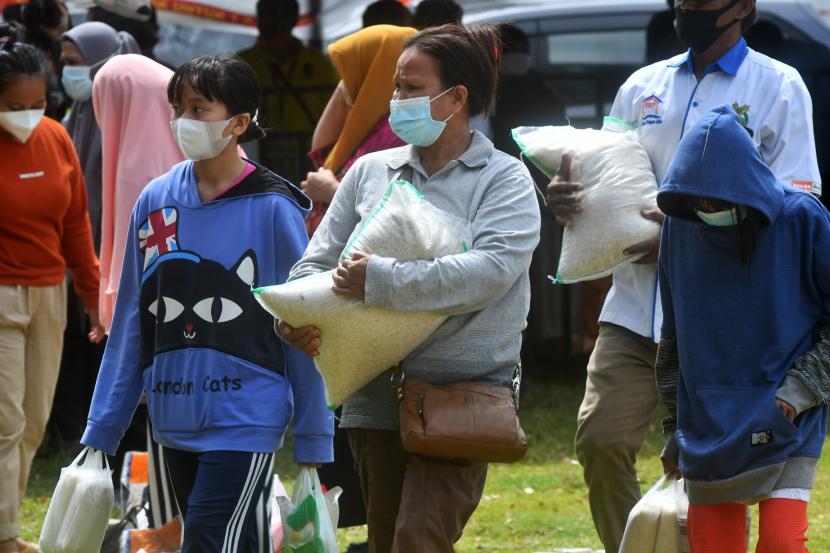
point(32, 321)
point(620, 400)
point(413, 504)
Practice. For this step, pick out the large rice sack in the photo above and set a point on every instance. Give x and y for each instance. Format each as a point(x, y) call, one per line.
point(81, 506)
point(360, 342)
point(619, 183)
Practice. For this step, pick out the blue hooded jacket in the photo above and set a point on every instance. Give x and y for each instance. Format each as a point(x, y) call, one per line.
point(739, 327)
point(188, 331)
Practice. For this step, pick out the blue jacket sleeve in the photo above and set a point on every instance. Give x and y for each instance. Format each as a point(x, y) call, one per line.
point(120, 385)
point(313, 422)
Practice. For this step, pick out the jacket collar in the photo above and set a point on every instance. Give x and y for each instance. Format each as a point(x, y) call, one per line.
point(729, 63)
point(477, 155)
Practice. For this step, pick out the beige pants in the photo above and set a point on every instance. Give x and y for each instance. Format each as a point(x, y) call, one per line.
point(620, 400)
point(31, 338)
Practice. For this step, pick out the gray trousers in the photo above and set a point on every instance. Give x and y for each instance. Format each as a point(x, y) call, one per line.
point(620, 400)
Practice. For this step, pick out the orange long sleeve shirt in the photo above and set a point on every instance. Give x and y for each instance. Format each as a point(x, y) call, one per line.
point(44, 223)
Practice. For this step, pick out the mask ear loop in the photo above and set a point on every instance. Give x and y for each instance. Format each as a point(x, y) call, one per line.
point(433, 99)
point(450, 88)
point(230, 126)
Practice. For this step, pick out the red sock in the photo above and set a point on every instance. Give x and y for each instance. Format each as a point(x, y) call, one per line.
point(783, 526)
point(717, 528)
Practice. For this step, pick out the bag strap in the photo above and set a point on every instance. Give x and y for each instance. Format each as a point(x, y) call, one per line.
point(516, 384)
point(397, 379)
point(88, 453)
point(82, 454)
point(657, 485)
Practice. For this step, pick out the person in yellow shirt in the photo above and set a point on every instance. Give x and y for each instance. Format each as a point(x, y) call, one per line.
point(296, 81)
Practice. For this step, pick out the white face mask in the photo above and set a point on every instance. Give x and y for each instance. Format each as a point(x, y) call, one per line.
point(200, 139)
point(21, 124)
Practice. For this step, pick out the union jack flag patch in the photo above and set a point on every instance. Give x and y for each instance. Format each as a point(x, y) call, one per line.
point(157, 236)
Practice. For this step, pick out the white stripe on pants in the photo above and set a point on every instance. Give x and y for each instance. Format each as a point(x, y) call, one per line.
point(163, 506)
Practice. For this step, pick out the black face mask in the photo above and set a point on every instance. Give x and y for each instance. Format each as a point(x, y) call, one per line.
point(698, 29)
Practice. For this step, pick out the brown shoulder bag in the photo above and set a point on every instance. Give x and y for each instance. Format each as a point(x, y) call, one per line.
point(463, 420)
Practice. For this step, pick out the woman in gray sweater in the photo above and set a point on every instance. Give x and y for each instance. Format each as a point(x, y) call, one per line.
point(444, 76)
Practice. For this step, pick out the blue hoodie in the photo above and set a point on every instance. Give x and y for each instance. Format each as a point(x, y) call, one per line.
point(188, 331)
point(739, 328)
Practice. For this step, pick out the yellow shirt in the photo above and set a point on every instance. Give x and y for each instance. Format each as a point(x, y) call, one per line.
point(291, 105)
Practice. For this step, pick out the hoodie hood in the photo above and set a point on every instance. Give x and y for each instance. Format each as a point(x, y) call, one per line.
point(260, 181)
point(717, 159)
point(263, 181)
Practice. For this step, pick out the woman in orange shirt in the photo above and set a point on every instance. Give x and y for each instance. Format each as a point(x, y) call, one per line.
point(45, 229)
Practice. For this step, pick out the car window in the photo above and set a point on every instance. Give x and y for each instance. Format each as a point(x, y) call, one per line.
point(583, 70)
point(616, 47)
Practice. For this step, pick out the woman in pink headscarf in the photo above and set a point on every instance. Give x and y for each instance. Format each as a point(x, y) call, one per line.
point(129, 96)
point(130, 100)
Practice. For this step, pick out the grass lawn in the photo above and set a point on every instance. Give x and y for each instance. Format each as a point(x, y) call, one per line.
point(537, 505)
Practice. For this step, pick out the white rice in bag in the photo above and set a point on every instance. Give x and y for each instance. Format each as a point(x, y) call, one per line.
point(618, 184)
point(359, 342)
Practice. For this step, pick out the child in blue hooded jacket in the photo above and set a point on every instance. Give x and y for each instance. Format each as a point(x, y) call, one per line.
point(221, 387)
point(744, 355)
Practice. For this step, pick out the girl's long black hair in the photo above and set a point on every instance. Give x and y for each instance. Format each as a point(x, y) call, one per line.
point(747, 230)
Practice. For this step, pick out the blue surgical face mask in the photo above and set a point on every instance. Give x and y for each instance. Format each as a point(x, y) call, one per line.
point(728, 218)
point(412, 121)
point(76, 82)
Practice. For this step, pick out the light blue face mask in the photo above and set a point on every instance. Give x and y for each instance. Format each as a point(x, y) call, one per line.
point(412, 121)
point(728, 218)
point(76, 82)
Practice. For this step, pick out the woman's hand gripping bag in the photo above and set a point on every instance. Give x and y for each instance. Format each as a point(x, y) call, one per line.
point(654, 525)
point(360, 342)
point(618, 184)
point(81, 506)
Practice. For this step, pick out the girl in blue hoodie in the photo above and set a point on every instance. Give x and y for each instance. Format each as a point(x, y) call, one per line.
point(221, 387)
point(744, 357)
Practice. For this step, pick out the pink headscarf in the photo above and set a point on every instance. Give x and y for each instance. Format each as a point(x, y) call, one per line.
point(129, 96)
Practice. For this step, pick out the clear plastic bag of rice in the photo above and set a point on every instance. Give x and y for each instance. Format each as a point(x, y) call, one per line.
point(360, 342)
point(81, 506)
point(618, 184)
point(653, 524)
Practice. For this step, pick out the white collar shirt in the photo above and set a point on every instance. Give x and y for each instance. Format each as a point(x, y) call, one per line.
point(665, 100)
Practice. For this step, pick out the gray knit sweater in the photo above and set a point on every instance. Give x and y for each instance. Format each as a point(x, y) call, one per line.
point(485, 291)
